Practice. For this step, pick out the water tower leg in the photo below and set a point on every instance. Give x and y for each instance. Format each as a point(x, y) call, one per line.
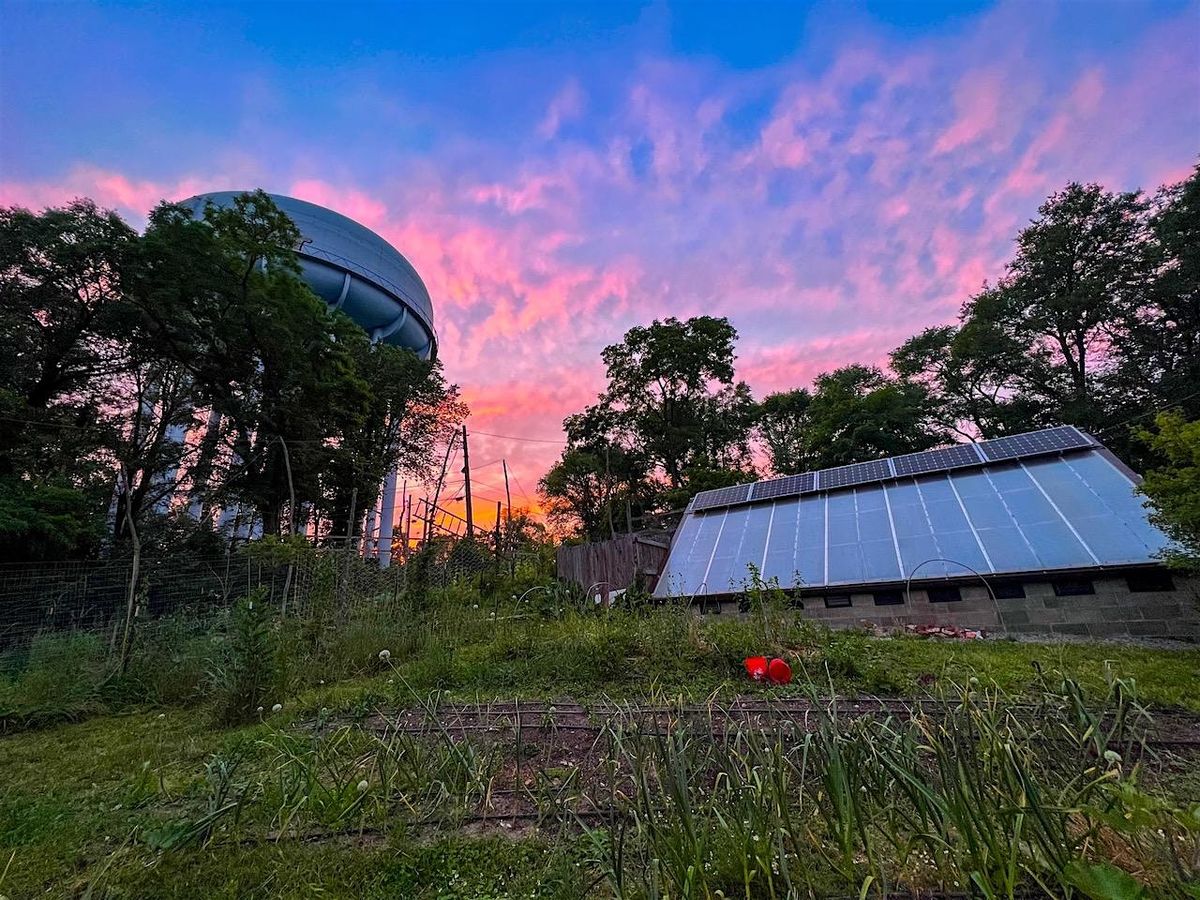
point(387, 515)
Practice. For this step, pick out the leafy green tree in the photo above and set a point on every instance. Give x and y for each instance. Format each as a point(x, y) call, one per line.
point(781, 425)
point(1173, 489)
point(671, 385)
point(120, 344)
point(1162, 358)
point(857, 413)
point(971, 375)
point(65, 322)
point(1044, 344)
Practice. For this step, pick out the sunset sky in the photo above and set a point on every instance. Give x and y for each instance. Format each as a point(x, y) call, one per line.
point(831, 177)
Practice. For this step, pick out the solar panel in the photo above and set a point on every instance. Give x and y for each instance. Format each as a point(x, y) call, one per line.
point(937, 460)
point(945, 459)
point(726, 496)
point(857, 473)
point(784, 487)
point(1052, 440)
point(1055, 513)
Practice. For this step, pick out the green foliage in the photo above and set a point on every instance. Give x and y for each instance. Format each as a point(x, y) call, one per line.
point(1174, 488)
point(247, 673)
point(671, 418)
point(858, 413)
point(782, 427)
point(118, 341)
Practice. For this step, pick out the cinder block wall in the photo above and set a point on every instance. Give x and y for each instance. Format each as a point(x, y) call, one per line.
point(1113, 611)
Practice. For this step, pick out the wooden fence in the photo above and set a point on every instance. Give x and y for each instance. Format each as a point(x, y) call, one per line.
point(613, 565)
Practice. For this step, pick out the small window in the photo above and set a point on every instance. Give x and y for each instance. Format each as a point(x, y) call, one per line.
point(1008, 590)
point(837, 601)
point(889, 598)
point(944, 594)
point(1150, 580)
point(1073, 587)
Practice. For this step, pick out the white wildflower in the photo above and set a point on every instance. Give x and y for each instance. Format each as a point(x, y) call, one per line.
point(260, 710)
point(385, 655)
point(277, 707)
point(362, 786)
point(1112, 756)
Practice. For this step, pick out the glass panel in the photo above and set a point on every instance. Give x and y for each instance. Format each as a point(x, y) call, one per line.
point(726, 573)
point(845, 554)
point(1117, 493)
point(754, 539)
point(695, 564)
point(879, 560)
point(781, 547)
point(1055, 546)
point(810, 542)
point(915, 550)
point(845, 564)
point(1008, 549)
point(671, 581)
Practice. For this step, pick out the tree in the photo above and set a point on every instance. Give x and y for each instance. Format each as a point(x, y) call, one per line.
point(1173, 489)
point(121, 344)
point(970, 373)
point(781, 425)
point(857, 413)
point(1044, 344)
point(65, 322)
point(1162, 358)
point(671, 385)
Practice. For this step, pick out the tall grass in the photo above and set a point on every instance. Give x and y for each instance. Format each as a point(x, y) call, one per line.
point(977, 794)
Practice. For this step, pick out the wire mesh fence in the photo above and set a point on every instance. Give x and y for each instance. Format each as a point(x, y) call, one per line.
point(103, 597)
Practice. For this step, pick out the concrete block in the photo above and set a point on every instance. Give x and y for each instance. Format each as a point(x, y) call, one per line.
point(1108, 629)
point(1152, 628)
point(1163, 611)
point(1070, 628)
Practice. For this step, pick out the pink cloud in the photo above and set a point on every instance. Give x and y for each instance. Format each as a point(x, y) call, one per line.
point(978, 100)
point(568, 104)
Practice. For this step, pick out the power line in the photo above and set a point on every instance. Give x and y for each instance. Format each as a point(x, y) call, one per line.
point(513, 437)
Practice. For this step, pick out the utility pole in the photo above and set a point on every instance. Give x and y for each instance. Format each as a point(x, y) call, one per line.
point(430, 508)
point(467, 474)
point(508, 536)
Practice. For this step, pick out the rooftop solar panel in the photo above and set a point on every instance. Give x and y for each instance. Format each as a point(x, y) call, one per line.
point(726, 496)
point(858, 473)
point(945, 459)
point(784, 487)
point(1057, 512)
point(937, 460)
point(1052, 440)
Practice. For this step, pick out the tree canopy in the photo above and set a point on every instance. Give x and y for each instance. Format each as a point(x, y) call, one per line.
point(189, 367)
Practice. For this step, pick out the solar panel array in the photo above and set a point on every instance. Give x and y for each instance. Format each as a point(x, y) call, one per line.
point(785, 487)
point(858, 473)
point(1035, 443)
point(1052, 512)
point(937, 460)
point(726, 496)
point(945, 459)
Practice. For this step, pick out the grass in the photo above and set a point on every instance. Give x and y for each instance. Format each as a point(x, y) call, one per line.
point(166, 781)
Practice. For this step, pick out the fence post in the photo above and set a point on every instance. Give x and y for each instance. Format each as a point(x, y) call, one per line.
point(133, 575)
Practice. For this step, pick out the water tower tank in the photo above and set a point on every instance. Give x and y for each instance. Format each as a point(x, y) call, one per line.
point(353, 269)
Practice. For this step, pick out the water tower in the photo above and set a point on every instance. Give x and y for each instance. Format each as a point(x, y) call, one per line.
point(356, 271)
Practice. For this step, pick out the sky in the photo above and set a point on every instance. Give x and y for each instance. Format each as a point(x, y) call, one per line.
point(832, 177)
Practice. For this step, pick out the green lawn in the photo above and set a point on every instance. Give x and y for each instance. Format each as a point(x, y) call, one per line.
point(80, 803)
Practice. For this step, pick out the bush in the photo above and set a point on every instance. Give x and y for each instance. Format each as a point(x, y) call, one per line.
point(249, 671)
